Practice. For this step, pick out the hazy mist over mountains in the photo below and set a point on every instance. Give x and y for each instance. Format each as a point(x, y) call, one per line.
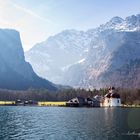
point(107, 55)
point(15, 72)
point(100, 57)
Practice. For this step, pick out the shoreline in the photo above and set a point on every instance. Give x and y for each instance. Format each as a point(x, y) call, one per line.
point(57, 104)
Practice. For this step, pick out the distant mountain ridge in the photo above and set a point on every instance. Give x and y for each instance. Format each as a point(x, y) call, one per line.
point(94, 57)
point(52, 57)
point(15, 72)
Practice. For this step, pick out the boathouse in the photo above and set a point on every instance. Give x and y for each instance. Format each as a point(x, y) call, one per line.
point(80, 102)
point(75, 102)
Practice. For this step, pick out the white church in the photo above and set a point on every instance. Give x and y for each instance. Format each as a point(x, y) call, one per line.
point(111, 99)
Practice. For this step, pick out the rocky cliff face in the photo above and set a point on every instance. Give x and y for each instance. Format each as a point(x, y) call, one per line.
point(106, 65)
point(52, 57)
point(102, 58)
point(15, 72)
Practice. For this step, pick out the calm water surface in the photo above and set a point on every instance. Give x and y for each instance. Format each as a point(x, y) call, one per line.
point(58, 123)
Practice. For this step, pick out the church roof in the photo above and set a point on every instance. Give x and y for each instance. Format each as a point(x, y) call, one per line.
point(112, 95)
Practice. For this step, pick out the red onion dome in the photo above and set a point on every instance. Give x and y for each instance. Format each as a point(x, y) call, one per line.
point(108, 95)
point(115, 95)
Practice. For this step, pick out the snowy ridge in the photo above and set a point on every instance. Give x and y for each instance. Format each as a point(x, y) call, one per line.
point(78, 58)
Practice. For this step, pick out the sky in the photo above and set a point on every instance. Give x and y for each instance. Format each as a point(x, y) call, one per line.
point(36, 20)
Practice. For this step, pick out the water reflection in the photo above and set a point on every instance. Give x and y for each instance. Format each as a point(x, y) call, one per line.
point(134, 119)
point(41, 123)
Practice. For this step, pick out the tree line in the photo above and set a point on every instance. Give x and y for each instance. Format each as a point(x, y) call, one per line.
point(128, 96)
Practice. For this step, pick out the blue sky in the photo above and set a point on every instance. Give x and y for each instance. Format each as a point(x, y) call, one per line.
point(36, 20)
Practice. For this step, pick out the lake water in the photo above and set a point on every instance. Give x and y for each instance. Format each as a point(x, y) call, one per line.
point(61, 123)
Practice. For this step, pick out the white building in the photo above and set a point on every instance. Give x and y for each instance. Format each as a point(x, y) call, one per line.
point(112, 98)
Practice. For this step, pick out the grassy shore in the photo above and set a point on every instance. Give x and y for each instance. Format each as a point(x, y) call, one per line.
point(2, 103)
point(52, 103)
point(130, 106)
point(7, 102)
point(62, 103)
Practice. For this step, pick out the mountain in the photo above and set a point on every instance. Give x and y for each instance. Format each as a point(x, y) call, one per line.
point(52, 57)
point(102, 57)
point(15, 72)
point(106, 64)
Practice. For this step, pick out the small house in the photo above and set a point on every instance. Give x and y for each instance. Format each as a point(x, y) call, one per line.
point(75, 102)
point(81, 102)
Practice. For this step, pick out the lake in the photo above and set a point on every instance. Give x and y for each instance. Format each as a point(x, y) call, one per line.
point(63, 123)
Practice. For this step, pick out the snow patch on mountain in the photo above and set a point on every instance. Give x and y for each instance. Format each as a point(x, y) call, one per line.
point(78, 58)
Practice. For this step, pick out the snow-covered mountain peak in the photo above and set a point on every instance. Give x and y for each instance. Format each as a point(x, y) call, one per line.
point(116, 20)
point(56, 56)
point(133, 19)
point(130, 23)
